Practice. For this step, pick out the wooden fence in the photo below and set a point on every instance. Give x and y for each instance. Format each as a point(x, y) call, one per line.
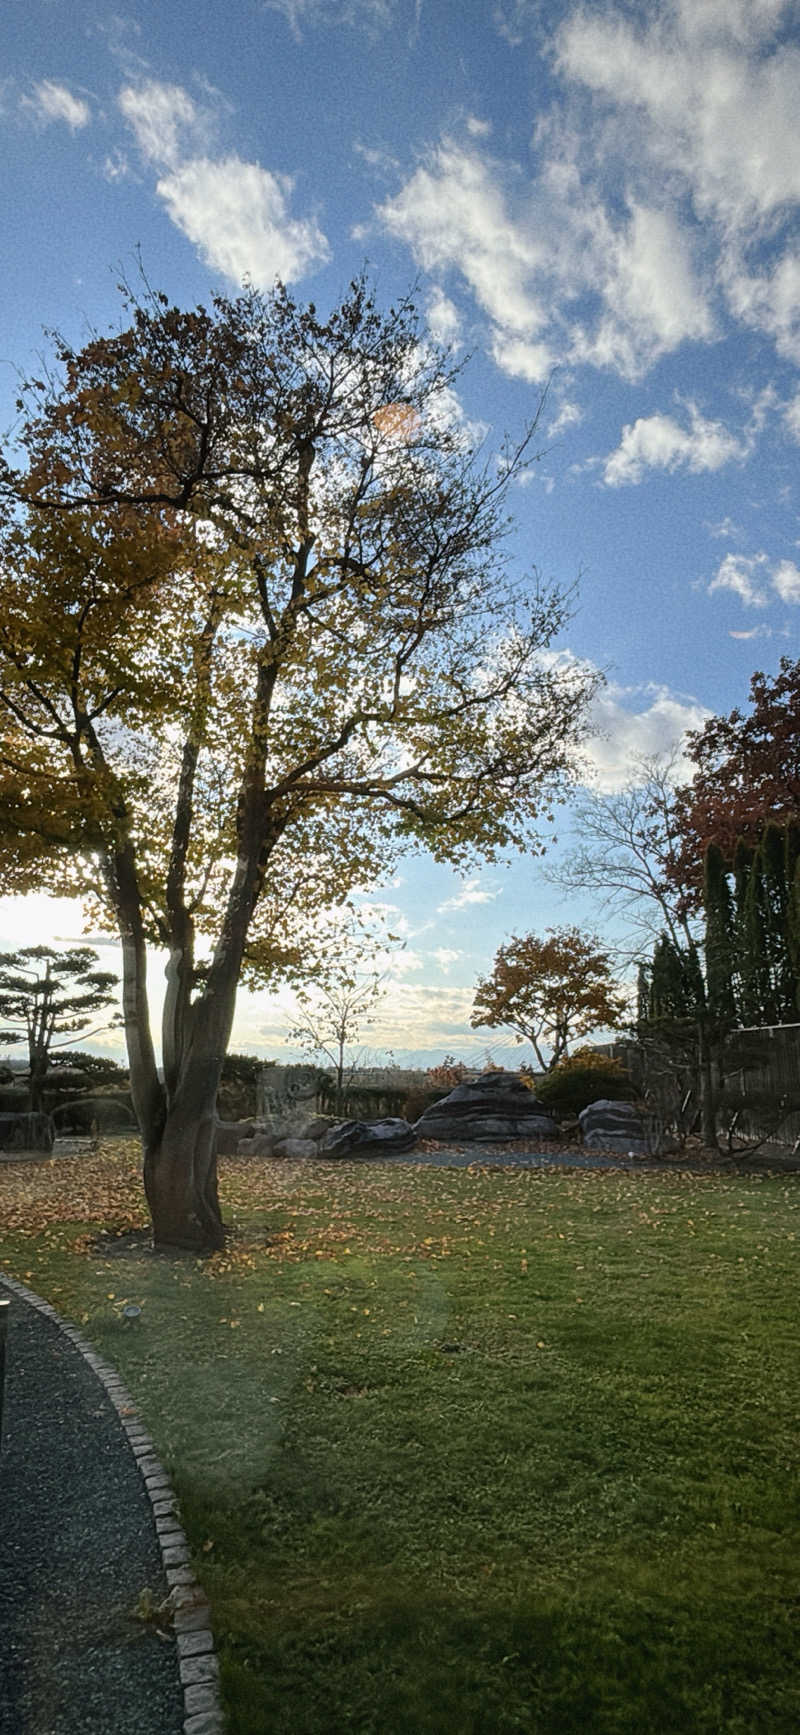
point(761, 1082)
point(758, 1082)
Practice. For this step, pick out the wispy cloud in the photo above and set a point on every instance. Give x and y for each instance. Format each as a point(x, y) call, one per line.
point(471, 892)
point(706, 94)
point(749, 576)
point(167, 123)
point(742, 574)
point(52, 102)
point(371, 15)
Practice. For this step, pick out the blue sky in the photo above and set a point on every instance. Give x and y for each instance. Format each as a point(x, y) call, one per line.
point(601, 200)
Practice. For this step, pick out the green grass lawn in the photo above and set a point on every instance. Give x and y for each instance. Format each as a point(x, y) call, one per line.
point(462, 1450)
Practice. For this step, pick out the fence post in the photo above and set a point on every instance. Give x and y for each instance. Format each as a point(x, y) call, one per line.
point(4, 1311)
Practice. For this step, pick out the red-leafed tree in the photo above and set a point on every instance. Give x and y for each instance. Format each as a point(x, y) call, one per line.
point(748, 775)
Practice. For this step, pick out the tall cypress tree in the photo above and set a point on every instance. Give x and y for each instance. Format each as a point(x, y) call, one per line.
point(749, 932)
point(791, 868)
point(643, 978)
point(676, 981)
point(772, 851)
point(719, 942)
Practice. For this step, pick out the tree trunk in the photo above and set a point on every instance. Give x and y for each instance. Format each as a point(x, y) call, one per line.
point(708, 1093)
point(180, 1169)
point(36, 1078)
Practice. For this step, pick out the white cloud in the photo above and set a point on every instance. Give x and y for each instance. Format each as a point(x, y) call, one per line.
point(433, 1015)
point(54, 102)
point(626, 736)
point(453, 212)
point(556, 275)
point(659, 443)
point(768, 301)
point(165, 120)
point(663, 168)
point(727, 530)
point(445, 956)
point(719, 103)
point(651, 299)
point(791, 417)
point(568, 416)
point(704, 94)
point(740, 573)
point(786, 580)
point(116, 167)
point(397, 964)
point(472, 892)
point(236, 213)
point(747, 577)
point(444, 321)
point(521, 359)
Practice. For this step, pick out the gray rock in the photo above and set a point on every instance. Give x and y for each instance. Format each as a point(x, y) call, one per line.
point(296, 1149)
point(287, 1098)
point(260, 1145)
point(228, 1135)
point(607, 1125)
point(495, 1106)
point(318, 1126)
point(367, 1139)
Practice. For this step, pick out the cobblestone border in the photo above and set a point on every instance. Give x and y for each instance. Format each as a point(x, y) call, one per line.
point(197, 1660)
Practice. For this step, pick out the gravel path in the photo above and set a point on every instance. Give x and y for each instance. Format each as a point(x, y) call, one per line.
point(511, 1157)
point(77, 1547)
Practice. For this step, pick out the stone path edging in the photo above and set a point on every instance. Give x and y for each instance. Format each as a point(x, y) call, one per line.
point(191, 1619)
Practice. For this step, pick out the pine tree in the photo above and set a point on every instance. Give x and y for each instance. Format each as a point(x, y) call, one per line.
point(48, 998)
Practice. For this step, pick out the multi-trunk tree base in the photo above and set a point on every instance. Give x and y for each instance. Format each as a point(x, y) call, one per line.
point(180, 1181)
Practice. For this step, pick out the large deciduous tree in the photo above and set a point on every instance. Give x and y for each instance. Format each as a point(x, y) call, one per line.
point(550, 991)
point(257, 635)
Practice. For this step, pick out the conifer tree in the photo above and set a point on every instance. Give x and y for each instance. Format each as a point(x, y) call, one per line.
point(49, 999)
point(775, 895)
point(719, 942)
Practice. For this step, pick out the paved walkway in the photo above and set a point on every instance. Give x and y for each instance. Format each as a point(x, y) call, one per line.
point(79, 1544)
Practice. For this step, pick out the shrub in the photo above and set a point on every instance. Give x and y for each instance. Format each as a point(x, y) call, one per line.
point(422, 1097)
point(584, 1077)
point(236, 1099)
point(447, 1075)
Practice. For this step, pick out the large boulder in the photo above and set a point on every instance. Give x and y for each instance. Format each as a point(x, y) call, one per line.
point(607, 1125)
point(495, 1106)
point(386, 1138)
